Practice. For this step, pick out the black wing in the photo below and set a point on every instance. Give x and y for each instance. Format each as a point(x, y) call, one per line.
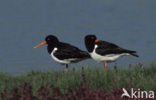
point(67, 51)
point(105, 48)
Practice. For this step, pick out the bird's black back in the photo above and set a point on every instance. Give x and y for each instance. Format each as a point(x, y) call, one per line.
point(105, 48)
point(67, 51)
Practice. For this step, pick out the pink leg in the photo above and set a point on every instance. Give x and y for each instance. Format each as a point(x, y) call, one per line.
point(105, 65)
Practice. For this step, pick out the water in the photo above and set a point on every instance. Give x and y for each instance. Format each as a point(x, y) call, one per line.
point(25, 23)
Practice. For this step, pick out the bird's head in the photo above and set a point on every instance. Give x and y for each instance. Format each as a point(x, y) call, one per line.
point(90, 41)
point(50, 40)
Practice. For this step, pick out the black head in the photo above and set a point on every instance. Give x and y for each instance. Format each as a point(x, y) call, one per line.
point(90, 42)
point(51, 40)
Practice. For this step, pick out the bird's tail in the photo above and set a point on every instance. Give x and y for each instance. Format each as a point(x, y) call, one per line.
point(133, 53)
point(85, 55)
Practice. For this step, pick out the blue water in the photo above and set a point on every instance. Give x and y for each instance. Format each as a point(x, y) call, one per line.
point(25, 23)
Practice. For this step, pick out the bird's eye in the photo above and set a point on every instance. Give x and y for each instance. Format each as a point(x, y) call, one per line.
point(92, 37)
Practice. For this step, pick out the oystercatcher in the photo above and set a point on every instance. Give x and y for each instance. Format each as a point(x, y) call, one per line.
point(103, 51)
point(63, 53)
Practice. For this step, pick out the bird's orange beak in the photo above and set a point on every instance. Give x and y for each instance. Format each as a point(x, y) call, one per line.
point(40, 44)
point(96, 41)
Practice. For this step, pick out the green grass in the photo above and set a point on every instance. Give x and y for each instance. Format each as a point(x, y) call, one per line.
point(97, 78)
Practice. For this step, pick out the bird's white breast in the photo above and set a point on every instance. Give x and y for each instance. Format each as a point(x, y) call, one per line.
point(109, 57)
point(56, 59)
point(64, 61)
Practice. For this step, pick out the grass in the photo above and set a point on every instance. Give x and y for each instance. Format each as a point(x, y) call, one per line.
point(98, 78)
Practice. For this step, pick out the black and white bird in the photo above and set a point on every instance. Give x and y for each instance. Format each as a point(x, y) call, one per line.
point(63, 53)
point(102, 51)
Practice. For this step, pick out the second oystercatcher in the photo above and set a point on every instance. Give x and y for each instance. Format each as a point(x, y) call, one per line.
point(63, 53)
point(103, 51)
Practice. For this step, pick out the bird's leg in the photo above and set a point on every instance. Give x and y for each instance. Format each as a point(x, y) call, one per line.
point(105, 65)
point(66, 69)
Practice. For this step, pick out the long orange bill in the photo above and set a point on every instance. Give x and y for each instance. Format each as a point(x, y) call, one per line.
point(96, 41)
point(40, 44)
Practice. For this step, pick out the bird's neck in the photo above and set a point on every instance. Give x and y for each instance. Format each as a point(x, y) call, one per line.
point(90, 47)
point(50, 48)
